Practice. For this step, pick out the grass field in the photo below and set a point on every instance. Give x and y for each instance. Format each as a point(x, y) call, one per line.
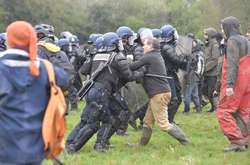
point(206, 148)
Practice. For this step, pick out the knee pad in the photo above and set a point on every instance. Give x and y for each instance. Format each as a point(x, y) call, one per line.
point(95, 110)
point(124, 116)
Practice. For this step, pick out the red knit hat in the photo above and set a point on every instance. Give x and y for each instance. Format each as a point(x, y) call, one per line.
point(21, 34)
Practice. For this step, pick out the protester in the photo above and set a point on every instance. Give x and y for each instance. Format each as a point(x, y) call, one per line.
point(212, 54)
point(235, 93)
point(248, 34)
point(24, 91)
point(193, 75)
point(158, 90)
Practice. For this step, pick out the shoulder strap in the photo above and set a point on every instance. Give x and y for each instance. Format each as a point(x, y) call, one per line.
point(50, 47)
point(50, 71)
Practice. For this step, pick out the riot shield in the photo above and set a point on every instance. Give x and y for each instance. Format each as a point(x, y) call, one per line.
point(184, 46)
point(135, 95)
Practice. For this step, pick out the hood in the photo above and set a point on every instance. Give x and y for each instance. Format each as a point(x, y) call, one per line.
point(211, 32)
point(231, 26)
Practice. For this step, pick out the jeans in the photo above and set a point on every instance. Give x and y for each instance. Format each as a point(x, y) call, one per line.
point(191, 92)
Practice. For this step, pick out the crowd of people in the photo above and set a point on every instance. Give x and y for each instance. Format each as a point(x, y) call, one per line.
point(216, 72)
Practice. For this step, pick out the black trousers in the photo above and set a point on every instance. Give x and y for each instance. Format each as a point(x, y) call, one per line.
point(209, 85)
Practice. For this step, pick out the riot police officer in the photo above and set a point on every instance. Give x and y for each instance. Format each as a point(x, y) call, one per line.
point(157, 33)
point(108, 67)
point(3, 46)
point(173, 62)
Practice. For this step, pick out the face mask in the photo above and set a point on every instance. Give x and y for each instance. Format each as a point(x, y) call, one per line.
point(120, 45)
point(132, 39)
point(70, 47)
point(176, 35)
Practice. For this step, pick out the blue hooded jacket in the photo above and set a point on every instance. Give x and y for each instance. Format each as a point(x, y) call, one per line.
point(23, 100)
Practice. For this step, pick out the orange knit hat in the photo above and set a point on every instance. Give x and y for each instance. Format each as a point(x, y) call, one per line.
point(20, 34)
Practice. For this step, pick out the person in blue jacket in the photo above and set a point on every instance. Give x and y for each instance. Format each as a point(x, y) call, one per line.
point(24, 95)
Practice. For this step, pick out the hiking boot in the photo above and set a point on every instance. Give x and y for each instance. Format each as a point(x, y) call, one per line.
point(235, 148)
point(109, 145)
point(100, 147)
point(178, 134)
point(70, 149)
point(146, 135)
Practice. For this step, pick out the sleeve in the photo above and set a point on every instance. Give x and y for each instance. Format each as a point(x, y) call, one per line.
point(5, 87)
point(213, 60)
point(233, 58)
point(139, 63)
point(138, 53)
point(169, 53)
point(122, 65)
point(66, 65)
point(62, 78)
point(219, 70)
point(125, 71)
point(85, 69)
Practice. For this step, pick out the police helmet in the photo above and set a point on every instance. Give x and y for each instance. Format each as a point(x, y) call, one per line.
point(112, 42)
point(169, 33)
point(3, 41)
point(44, 31)
point(156, 33)
point(93, 37)
point(124, 32)
point(65, 34)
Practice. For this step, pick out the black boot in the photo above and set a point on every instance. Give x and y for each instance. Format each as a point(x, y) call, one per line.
point(132, 122)
point(102, 138)
point(81, 139)
point(178, 134)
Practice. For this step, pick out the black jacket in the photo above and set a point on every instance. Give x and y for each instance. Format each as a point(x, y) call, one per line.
point(154, 64)
point(117, 71)
point(173, 62)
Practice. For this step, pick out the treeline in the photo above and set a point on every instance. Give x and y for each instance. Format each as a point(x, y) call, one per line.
point(84, 17)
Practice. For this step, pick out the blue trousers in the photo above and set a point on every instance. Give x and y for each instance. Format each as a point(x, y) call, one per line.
point(191, 93)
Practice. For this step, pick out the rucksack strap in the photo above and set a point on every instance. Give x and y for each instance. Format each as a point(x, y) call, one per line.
point(50, 70)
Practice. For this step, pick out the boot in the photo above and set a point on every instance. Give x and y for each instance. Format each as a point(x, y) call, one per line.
point(81, 139)
point(132, 122)
point(102, 138)
point(178, 134)
point(198, 109)
point(146, 135)
point(235, 148)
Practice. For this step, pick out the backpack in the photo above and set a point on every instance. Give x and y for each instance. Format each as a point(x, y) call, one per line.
point(54, 126)
point(200, 64)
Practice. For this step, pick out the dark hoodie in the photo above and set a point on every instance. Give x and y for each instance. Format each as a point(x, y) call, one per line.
point(212, 53)
point(237, 47)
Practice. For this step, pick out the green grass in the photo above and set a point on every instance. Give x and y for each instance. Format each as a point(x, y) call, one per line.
point(206, 148)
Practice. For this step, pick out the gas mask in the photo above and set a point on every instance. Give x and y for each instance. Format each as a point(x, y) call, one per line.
point(120, 46)
point(132, 39)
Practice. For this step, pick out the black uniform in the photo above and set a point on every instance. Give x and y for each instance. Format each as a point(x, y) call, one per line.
point(173, 62)
point(97, 113)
